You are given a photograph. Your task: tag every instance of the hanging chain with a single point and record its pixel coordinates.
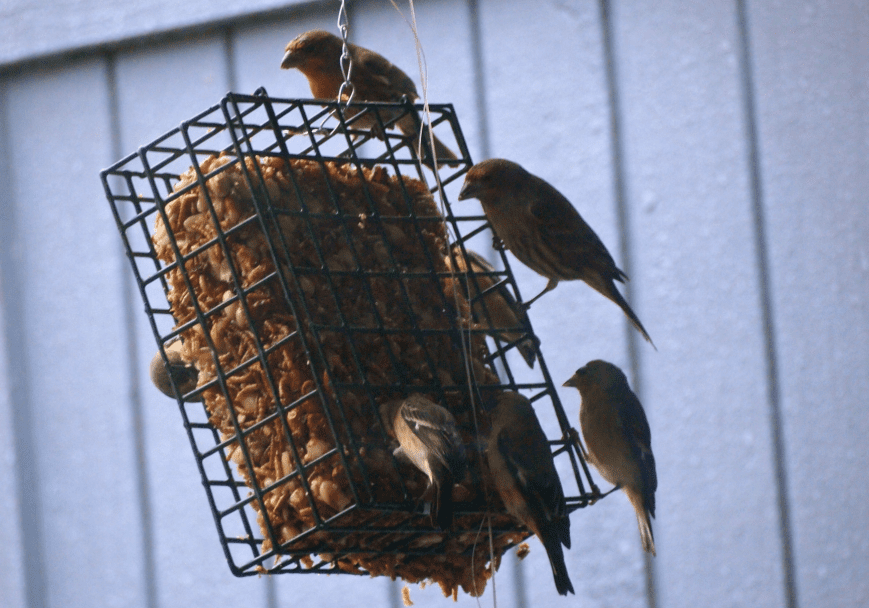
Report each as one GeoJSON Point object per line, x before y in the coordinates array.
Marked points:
{"type": "Point", "coordinates": [346, 59]}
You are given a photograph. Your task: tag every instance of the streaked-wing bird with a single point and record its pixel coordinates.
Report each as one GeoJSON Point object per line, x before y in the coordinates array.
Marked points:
{"type": "Point", "coordinates": [429, 438]}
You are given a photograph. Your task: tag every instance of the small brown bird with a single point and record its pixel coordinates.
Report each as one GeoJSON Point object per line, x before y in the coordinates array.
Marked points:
{"type": "Point", "coordinates": [525, 477]}
{"type": "Point", "coordinates": [543, 230]}
{"type": "Point", "coordinates": [497, 309]}
{"type": "Point", "coordinates": [317, 54]}
{"type": "Point", "coordinates": [618, 438]}
{"type": "Point", "coordinates": [429, 439]}
{"type": "Point", "coordinates": [186, 375]}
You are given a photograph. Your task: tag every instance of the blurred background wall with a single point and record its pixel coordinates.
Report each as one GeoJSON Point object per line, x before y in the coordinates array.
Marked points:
{"type": "Point", "coordinates": [720, 150]}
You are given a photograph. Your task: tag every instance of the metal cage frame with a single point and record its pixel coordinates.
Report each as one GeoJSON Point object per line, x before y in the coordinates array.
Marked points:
{"type": "Point", "coordinates": [138, 188]}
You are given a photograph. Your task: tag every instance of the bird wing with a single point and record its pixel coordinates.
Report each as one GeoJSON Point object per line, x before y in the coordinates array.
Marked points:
{"type": "Point", "coordinates": [394, 79]}
{"type": "Point", "coordinates": [479, 264]}
{"type": "Point", "coordinates": [637, 429]}
{"type": "Point", "coordinates": [561, 225]}
{"type": "Point", "coordinates": [531, 465]}
{"type": "Point", "coordinates": [435, 427]}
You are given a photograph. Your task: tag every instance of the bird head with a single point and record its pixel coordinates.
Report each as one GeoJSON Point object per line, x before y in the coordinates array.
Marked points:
{"type": "Point", "coordinates": [512, 409]}
{"type": "Point", "coordinates": [486, 180]}
{"type": "Point", "coordinates": [308, 49]}
{"type": "Point", "coordinates": [596, 373]}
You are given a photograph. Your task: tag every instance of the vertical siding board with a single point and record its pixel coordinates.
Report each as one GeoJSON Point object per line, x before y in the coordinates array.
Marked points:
{"type": "Point", "coordinates": [73, 324]}
{"type": "Point", "coordinates": [697, 286]}
{"type": "Point", "coordinates": [546, 90]}
{"type": "Point", "coordinates": [157, 90]}
{"type": "Point", "coordinates": [749, 93]}
{"type": "Point", "coordinates": [13, 551]}
{"type": "Point", "coordinates": [810, 67]}
{"type": "Point", "coordinates": [12, 583]}
{"type": "Point", "coordinates": [259, 49]}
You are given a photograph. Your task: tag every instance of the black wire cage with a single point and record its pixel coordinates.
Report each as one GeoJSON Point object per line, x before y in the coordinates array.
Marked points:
{"type": "Point", "coordinates": [297, 251]}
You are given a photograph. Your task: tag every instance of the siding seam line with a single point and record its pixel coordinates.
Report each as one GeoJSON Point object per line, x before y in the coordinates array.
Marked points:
{"type": "Point", "coordinates": [749, 96]}
{"type": "Point", "coordinates": [623, 221]}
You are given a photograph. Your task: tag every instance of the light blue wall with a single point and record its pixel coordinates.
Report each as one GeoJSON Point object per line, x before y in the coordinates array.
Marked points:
{"type": "Point", "coordinates": [735, 196]}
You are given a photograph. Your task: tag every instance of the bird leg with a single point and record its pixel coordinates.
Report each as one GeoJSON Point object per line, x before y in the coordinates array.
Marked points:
{"type": "Point", "coordinates": [574, 437]}
{"type": "Point", "coordinates": [596, 494]}
{"type": "Point", "coordinates": [618, 486]}
{"type": "Point", "coordinates": [549, 287]}
{"type": "Point", "coordinates": [497, 243]}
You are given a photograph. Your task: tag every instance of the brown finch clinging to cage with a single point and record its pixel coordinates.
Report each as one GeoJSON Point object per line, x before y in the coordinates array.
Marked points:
{"type": "Point", "coordinates": [317, 54]}
{"type": "Point", "coordinates": [618, 438]}
{"type": "Point", "coordinates": [525, 478]}
{"type": "Point", "coordinates": [429, 438]}
{"type": "Point", "coordinates": [543, 230]}
{"type": "Point", "coordinates": [495, 310]}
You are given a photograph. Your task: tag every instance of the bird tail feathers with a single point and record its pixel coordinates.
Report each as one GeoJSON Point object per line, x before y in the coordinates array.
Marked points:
{"type": "Point", "coordinates": [644, 522]}
{"type": "Point", "coordinates": [613, 294]}
{"type": "Point", "coordinates": [442, 502]}
{"type": "Point", "coordinates": [552, 544]}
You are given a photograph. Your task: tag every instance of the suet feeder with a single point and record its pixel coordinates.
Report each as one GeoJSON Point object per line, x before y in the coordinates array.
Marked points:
{"type": "Point", "coordinates": [300, 259]}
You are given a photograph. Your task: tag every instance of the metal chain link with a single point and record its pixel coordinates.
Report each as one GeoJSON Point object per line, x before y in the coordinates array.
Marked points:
{"type": "Point", "coordinates": [346, 59]}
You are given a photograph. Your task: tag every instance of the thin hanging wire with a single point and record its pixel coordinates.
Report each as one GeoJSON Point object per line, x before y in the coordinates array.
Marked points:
{"type": "Point", "coordinates": [346, 68]}
{"type": "Point", "coordinates": [346, 59]}
{"type": "Point", "coordinates": [465, 337]}
{"type": "Point", "coordinates": [423, 77]}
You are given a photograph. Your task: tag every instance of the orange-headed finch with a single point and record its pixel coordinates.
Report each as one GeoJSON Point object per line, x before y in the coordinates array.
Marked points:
{"type": "Point", "coordinates": [543, 230]}
{"type": "Point", "coordinates": [428, 438]}
{"type": "Point", "coordinates": [525, 477]}
{"type": "Point", "coordinates": [618, 438]}
{"type": "Point", "coordinates": [317, 54]}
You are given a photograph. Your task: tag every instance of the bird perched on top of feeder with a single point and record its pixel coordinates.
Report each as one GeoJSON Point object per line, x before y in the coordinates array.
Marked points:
{"type": "Point", "coordinates": [317, 54]}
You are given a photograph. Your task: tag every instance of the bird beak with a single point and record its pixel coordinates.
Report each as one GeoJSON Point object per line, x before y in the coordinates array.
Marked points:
{"type": "Point", "coordinates": [288, 61]}
{"type": "Point", "coordinates": [467, 191]}
{"type": "Point", "coordinates": [571, 382]}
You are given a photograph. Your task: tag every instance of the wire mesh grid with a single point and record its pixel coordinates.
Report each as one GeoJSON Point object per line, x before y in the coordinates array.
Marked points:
{"type": "Point", "coordinates": [278, 342]}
